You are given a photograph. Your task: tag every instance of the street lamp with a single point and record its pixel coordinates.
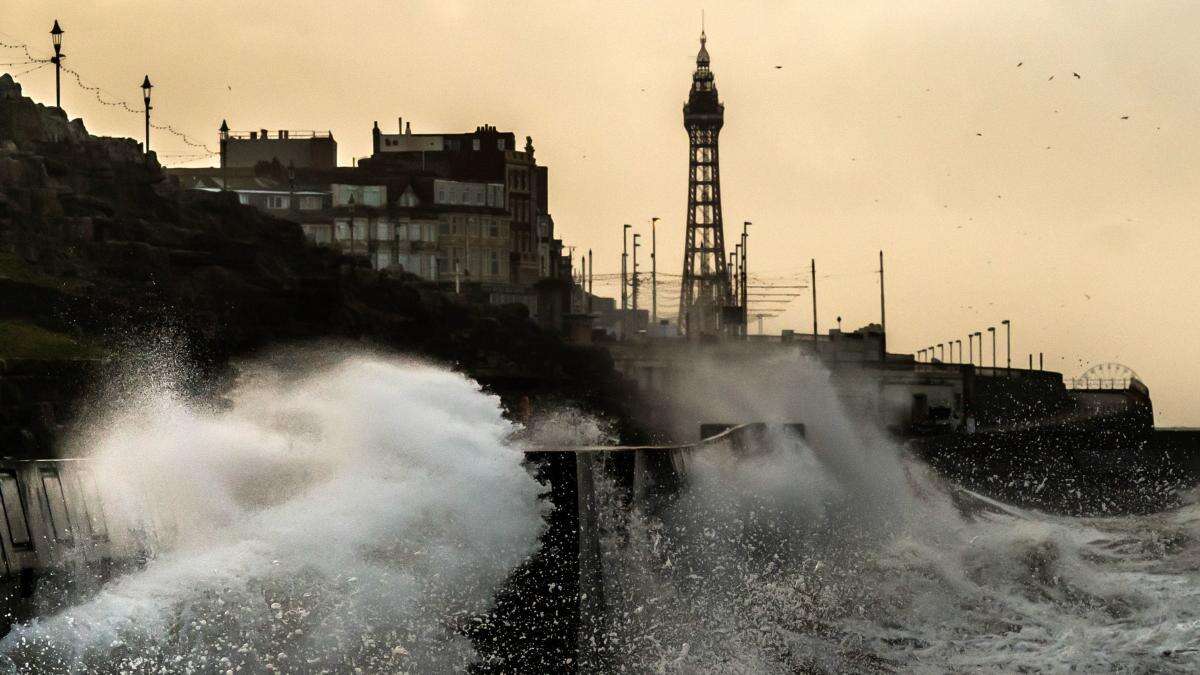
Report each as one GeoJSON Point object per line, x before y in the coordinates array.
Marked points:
{"type": "Point", "coordinates": [942, 351]}
{"type": "Point", "coordinates": [1007, 344]}
{"type": "Point", "coordinates": [971, 347]}
{"type": "Point", "coordinates": [979, 335]}
{"type": "Point", "coordinates": [56, 34]}
{"type": "Point", "coordinates": [146, 87]}
{"type": "Point", "coordinates": [744, 279]}
{"type": "Point", "coordinates": [959, 350]}
{"type": "Point", "coordinates": [992, 330]}
{"type": "Point", "coordinates": [653, 272]}
{"type": "Point", "coordinates": [625, 265]}
{"type": "Point", "coordinates": [224, 135]}
{"type": "Point", "coordinates": [636, 245]}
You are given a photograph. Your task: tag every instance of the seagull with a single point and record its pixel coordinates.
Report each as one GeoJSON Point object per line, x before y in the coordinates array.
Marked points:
{"type": "Point", "coordinates": [1051, 78]}
{"type": "Point", "coordinates": [778, 67]}
{"type": "Point", "coordinates": [978, 134]}
{"type": "Point", "coordinates": [1077, 76]}
{"type": "Point", "coordinates": [1124, 117]}
{"type": "Point", "coordinates": [1019, 64]}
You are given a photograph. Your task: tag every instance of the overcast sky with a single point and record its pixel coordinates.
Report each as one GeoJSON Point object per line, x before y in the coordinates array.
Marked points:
{"type": "Point", "coordinates": [995, 191]}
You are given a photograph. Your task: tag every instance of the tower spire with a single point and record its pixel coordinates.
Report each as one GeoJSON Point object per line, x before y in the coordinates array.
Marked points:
{"type": "Point", "coordinates": [705, 291]}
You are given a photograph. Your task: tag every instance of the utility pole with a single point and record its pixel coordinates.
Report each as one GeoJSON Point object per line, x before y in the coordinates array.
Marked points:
{"type": "Point", "coordinates": [654, 272]}
{"type": "Point", "coordinates": [816, 345]}
{"type": "Point", "coordinates": [56, 34]}
{"type": "Point", "coordinates": [590, 279]}
{"type": "Point", "coordinates": [883, 315]}
{"type": "Point", "coordinates": [1041, 361]}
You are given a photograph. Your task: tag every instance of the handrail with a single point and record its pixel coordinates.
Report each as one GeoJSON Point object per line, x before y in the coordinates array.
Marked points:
{"type": "Point", "coordinates": [626, 448]}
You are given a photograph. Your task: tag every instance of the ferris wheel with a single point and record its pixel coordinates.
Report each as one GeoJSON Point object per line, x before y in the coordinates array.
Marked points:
{"type": "Point", "coordinates": [1109, 375]}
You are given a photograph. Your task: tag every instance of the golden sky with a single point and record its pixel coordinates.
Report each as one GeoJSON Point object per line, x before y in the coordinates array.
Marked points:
{"type": "Point", "coordinates": [995, 191]}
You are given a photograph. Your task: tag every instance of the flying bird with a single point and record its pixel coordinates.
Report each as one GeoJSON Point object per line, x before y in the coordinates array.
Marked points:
{"type": "Point", "coordinates": [778, 67]}
{"type": "Point", "coordinates": [1077, 76]}
{"type": "Point", "coordinates": [978, 134]}
{"type": "Point", "coordinates": [1124, 117]}
{"type": "Point", "coordinates": [1019, 64]}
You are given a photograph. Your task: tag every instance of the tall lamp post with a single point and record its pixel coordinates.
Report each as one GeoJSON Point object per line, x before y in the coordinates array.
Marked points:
{"type": "Point", "coordinates": [146, 87]}
{"type": "Point", "coordinates": [1007, 344]}
{"type": "Point", "coordinates": [992, 330]}
{"type": "Point", "coordinates": [56, 34]}
{"type": "Point", "coordinates": [942, 351]}
{"type": "Point", "coordinates": [634, 281]}
{"type": "Point", "coordinates": [744, 279]}
{"type": "Point", "coordinates": [971, 347]}
{"type": "Point", "coordinates": [653, 271]}
{"type": "Point", "coordinates": [979, 335]}
{"type": "Point", "coordinates": [959, 342]}
{"type": "Point", "coordinates": [224, 135]}
{"type": "Point", "coordinates": [625, 266]}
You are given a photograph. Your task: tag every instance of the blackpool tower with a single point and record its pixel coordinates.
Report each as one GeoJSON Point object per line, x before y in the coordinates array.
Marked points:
{"type": "Point", "coordinates": [705, 291]}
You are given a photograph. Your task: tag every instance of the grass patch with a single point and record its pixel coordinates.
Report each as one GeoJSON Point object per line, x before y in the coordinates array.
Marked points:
{"type": "Point", "coordinates": [23, 340]}
{"type": "Point", "coordinates": [14, 268]}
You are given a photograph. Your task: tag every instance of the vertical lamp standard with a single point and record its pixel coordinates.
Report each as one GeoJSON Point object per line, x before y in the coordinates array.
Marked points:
{"type": "Point", "coordinates": [942, 351]}
{"type": "Point", "coordinates": [653, 272]}
{"type": "Point", "coordinates": [624, 265]}
{"type": "Point", "coordinates": [744, 279]}
{"type": "Point", "coordinates": [1007, 344]}
{"type": "Point", "coordinates": [224, 135]}
{"type": "Point", "coordinates": [634, 278]}
{"type": "Point", "coordinates": [992, 330]}
{"type": "Point", "coordinates": [146, 87]}
{"type": "Point", "coordinates": [971, 347]}
{"type": "Point", "coordinates": [56, 34]}
{"type": "Point", "coordinates": [979, 334]}
{"type": "Point", "coordinates": [959, 342]}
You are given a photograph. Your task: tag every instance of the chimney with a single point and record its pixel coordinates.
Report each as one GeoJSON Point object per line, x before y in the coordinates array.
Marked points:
{"type": "Point", "coordinates": [283, 133]}
{"type": "Point", "coordinates": [399, 125]}
{"type": "Point", "coordinates": [254, 135]}
{"type": "Point", "coordinates": [408, 128]}
{"type": "Point", "coordinates": [264, 134]}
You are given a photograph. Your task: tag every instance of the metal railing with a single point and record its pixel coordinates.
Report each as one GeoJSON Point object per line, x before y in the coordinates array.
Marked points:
{"type": "Point", "coordinates": [1119, 383]}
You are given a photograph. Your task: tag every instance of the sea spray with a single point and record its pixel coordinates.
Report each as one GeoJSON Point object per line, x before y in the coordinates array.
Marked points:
{"type": "Point", "coordinates": [349, 512]}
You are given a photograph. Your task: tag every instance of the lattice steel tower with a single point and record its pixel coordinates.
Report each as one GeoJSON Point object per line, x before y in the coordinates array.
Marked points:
{"type": "Point", "coordinates": [705, 291]}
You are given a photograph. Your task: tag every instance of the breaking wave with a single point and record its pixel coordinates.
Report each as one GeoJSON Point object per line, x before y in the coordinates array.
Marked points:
{"type": "Point", "coordinates": [349, 513]}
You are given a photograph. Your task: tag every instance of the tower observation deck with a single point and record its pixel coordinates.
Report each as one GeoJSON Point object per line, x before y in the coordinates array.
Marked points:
{"type": "Point", "coordinates": [706, 290]}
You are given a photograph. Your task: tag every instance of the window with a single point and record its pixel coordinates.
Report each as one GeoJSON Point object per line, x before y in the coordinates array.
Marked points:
{"type": "Point", "coordinates": [360, 229]}
{"type": "Point", "coordinates": [317, 233]}
{"type": "Point", "coordinates": [382, 260]}
{"type": "Point", "coordinates": [310, 203]}
{"type": "Point", "coordinates": [500, 144]}
{"type": "Point", "coordinates": [383, 231]}
{"type": "Point", "coordinates": [56, 504]}
{"type": "Point", "coordinates": [401, 231]}
{"type": "Point", "coordinates": [277, 201]}
{"type": "Point", "coordinates": [444, 228]}
{"type": "Point", "coordinates": [243, 199]}
{"type": "Point", "coordinates": [475, 144]}
{"type": "Point", "coordinates": [495, 263]}
{"type": "Point", "coordinates": [372, 196]}
{"type": "Point", "coordinates": [493, 228]}
{"type": "Point", "coordinates": [414, 232]}
{"type": "Point", "coordinates": [93, 507]}
{"type": "Point", "coordinates": [14, 511]}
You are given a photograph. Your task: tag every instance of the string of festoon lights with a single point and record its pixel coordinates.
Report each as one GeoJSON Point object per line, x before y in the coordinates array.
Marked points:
{"type": "Point", "coordinates": [107, 99]}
